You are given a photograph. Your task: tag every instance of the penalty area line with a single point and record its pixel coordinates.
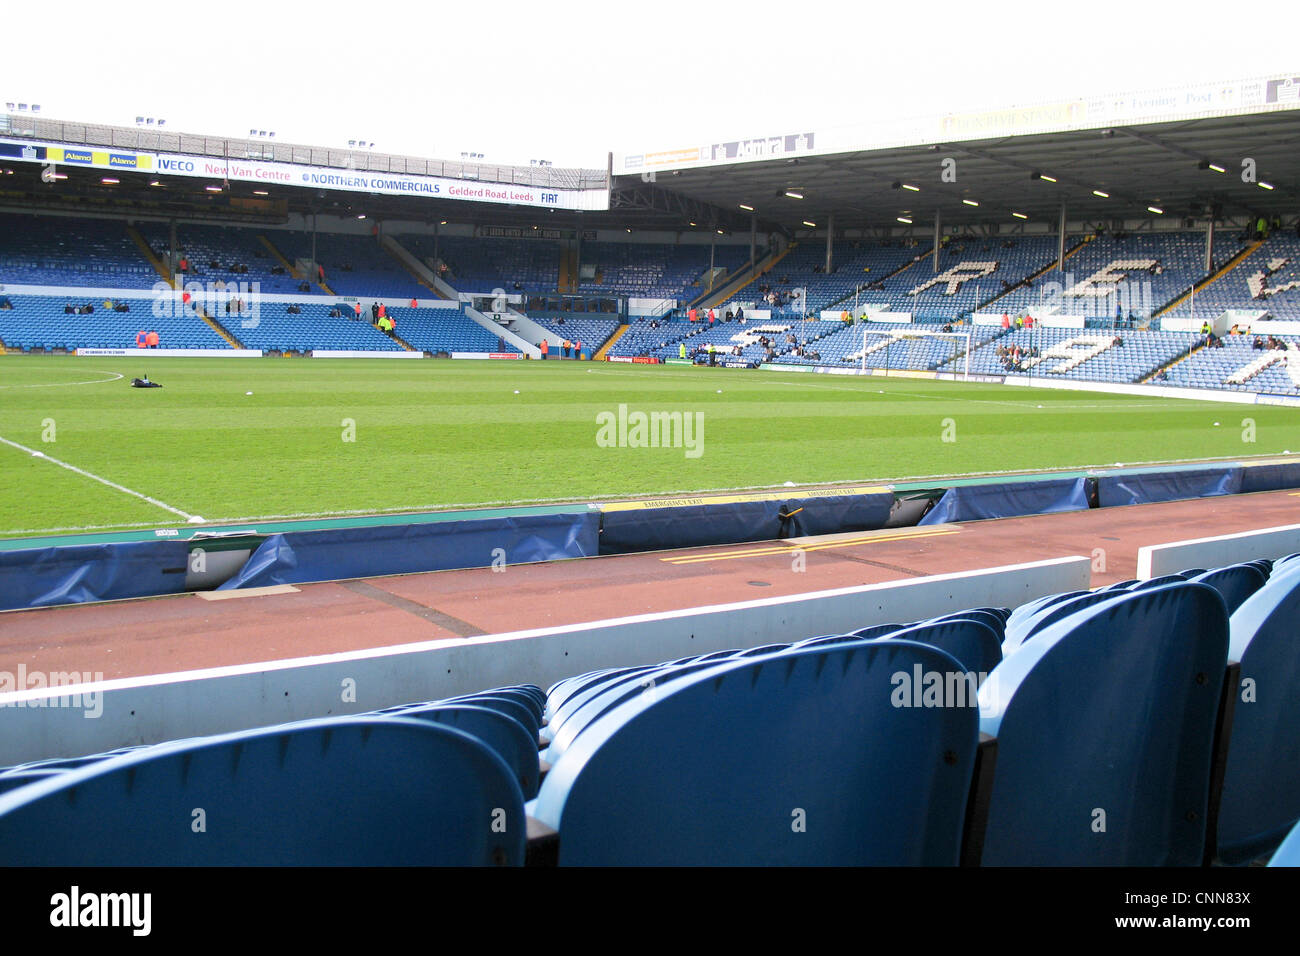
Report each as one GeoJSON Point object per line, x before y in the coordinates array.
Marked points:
{"type": "Point", "coordinates": [103, 481]}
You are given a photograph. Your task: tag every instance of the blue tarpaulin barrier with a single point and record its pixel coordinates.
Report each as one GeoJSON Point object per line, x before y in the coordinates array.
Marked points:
{"type": "Point", "coordinates": [1270, 477]}
{"type": "Point", "coordinates": [305, 556]}
{"type": "Point", "coordinates": [1009, 500]}
{"type": "Point", "coordinates": [1143, 487]}
{"type": "Point", "coordinates": [76, 574]}
{"type": "Point", "coordinates": [625, 531]}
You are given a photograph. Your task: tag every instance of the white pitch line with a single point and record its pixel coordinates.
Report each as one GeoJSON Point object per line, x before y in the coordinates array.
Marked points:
{"type": "Point", "coordinates": [97, 381]}
{"type": "Point", "coordinates": [103, 481]}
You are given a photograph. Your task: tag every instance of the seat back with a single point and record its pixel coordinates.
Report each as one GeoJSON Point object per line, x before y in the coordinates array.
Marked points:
{"type": "Point", "coordinates": [1234, 583]}
{"type": "Point", "coordinates": [803, 757]}
{"type": "Point", "coordinates": [1261, 783]}
{"type": "Point", "coordinates": [1105, 726]}
{"type": "Point", "coordinates": [381, 791]}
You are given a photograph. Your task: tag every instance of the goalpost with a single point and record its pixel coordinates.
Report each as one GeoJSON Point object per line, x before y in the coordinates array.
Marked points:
{"type": "Point", "coordinates": [961, 346]}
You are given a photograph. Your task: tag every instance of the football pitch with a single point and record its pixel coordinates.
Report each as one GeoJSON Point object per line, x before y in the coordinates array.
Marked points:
{"type": "Point", "coordinates": [81, 450]}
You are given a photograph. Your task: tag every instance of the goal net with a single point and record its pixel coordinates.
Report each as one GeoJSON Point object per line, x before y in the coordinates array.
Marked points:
{"type": "Point", "coordinates": [914, 350]}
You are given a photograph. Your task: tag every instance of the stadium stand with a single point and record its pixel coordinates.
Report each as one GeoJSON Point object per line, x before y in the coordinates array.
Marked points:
{"type": "Point", "coordinates": [1268, 278]}
{"type": "Point", "coordinates": [354, 265]}
{"type": "Point", "coordinates": [41, 322]}
{"type": "Point", "coordinates": [212, 253]}
{"type": "Point", "coordinates": [892, 345]}
{"type": "Point", "coordinates": [971, 273]}
{"type": "Point", "coordinates": [655, 270]}
{"type": "Point", "coordinates": [485, 265]}
{"type": "Point", "coordinates": [59, 251]}
{"type": "Point", "coordinates": [445, 330]}
{"type": "Point", "coordinates": [645, 336]}
{"type": "Point", "coordinates": [592, 333]}
{"type": "Point", "coordinates": [1115, 275]}
{"type": "Point", "coordinates": [1101, 355]}
{"type": "Point", "coordinates": [855, 265]}
{"type": "Point", "coordinates": [1239, 366]}
{"type": "Point", "coordinates": [272, 328]}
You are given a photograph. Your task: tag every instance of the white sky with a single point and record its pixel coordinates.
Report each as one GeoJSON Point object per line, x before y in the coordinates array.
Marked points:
{"type": "Point", "coordinates": [570, 80]}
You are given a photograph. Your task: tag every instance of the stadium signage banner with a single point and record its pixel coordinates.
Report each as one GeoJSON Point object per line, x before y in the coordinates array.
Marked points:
{"type": "Point", "coordinates": [34, 152]}
{"type": "Point", "coordinates": [311, 177]}
{"type": "Point", "coordinates": [151, 353]}
{"type": "Point", "coordinates": [387, 184]}
{"type": "Point", "coordinates": [352, 353]}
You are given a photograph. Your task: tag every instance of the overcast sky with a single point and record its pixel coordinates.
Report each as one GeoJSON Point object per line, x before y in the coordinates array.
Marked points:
{"type": "Point", "coordinates": [571, 80]}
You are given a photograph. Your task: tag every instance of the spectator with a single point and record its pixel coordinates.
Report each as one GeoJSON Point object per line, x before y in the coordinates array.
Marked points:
{"type": "Point", "coordinates": [356, 308]}
{"type": "Point", "coordinates": [152, 339]}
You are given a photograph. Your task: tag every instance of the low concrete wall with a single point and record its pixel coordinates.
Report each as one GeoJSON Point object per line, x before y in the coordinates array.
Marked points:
{"type": "Point", "coordinates": [1157, 559]}
{"type": "Point", "coordinates": [171, 706]}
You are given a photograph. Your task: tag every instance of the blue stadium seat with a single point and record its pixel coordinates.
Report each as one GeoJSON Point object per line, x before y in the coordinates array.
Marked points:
{"type": "Point", "coordinates": [346, 791]}
{"type": "Point", "coordinates": [1261, 785]}
{"type": "Point", "coordinates": [972, 641]}
{"type": "Point", "coordinates": [1105, 728]}
{"type": "Point", "coordinates": [1234, 584]}
{"type": "Point", "coordinates": [796, 758]}
{"type": "Point", "coordinates": [510, 740]}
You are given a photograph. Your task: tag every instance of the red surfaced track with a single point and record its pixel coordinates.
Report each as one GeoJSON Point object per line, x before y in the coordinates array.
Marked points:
{"type": "Point", "coordinates": [161, 635]}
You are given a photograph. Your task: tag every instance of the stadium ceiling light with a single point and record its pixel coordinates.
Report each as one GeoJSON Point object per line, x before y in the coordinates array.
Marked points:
{"type": "Point", "coordinates": [909, 186]}
{"type": "Point", "coordinates": [1020, 215]}
{"type": "Point", "coordinates": [260, 192]}
{"type": "Point", "coordinates": [793, 194]}
{"type": "Point", "coordinates": [361, 215]}
{"type": "Point", "coordinates": [1044, 177]}
{"type": "Point", "coordinates": [970, 202]}
{"type": "Point", "coordinates": [746, 208]}
{"type": "Point", "coordinates": [1264, 185]}
{"type": "Point", "coordinates": [1098, 192]}
{"type": "Point", "coordinates": [155, 182]}
{"type": "Point", "coordinates": [1217, 168]}
{"type": "Point", "coordinates": [692, 224]}
{"type": "Point", "coordinates": [722, 232]}
{"type": "Point", "coordinates": [810, 225]}
{"type": "Point", "coordinates": [110, 181]}
{"type": "Point", "coordinates": [213, 189]}
{"type": "Point", "coordinates": [1156, 209]}
{"type": "Point", "coordinates": [905, 220]}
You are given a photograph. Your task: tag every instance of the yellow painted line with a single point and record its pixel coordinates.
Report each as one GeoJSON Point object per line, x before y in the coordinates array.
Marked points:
{"type": "Point", "coordinates": [785, 550]}
{"type": "Point", "coordinates": [697, 501]}
{"type": "Point", "coordinates": [811, 543]}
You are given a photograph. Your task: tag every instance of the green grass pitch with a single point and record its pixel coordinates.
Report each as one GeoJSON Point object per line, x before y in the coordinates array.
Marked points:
{"type": "Point", "coordinates": [437, 434]}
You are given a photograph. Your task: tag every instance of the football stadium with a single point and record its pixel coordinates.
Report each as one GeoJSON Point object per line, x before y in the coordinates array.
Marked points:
{"type": "Point", "coordinates": [915, 493]}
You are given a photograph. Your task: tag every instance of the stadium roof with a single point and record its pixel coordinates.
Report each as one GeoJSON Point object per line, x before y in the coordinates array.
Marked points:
{"type": "Point", "coordinates": [1231, 150]}
{"type": "Point", "coordinates": [1161, 165]}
